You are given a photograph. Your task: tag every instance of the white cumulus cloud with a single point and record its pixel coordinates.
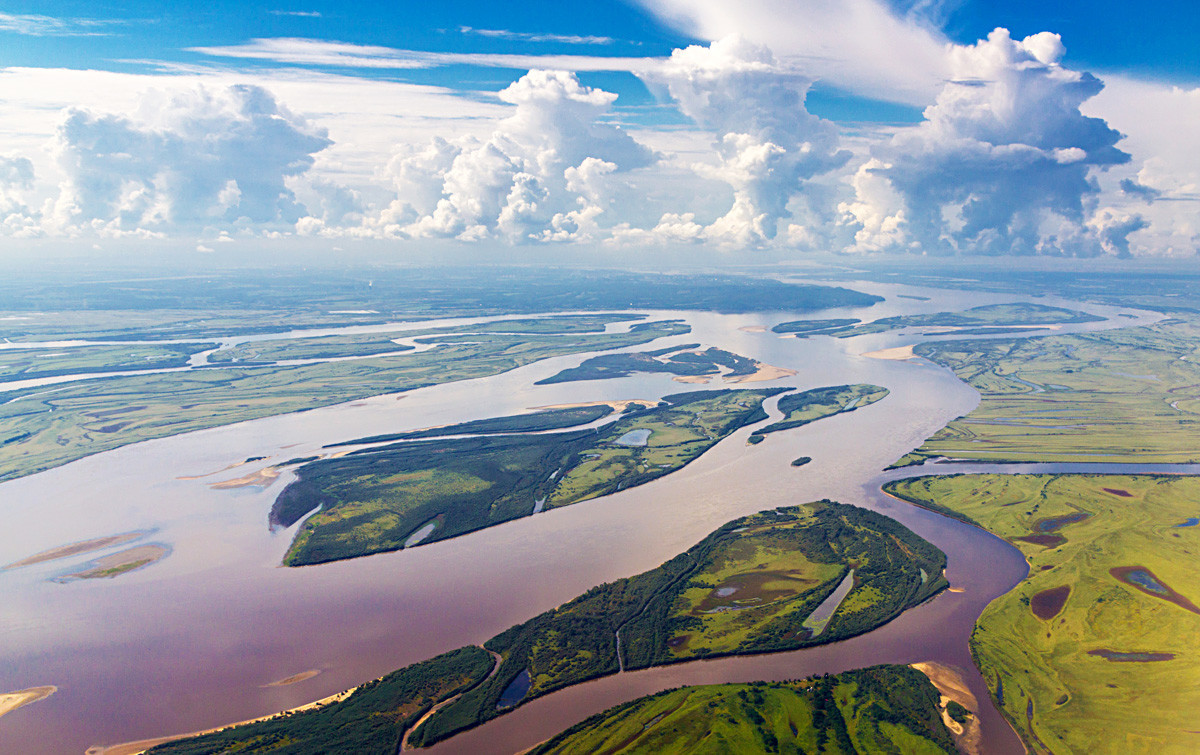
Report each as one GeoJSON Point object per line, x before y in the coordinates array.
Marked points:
{"type": "Point", "coordinates": [201, 157]}
{"type": "Point", "coordinates": [1004, 162]}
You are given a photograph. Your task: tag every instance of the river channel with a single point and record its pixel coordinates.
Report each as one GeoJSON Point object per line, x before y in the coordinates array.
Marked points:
{"type": "Point", "coordinates": [197, 639]}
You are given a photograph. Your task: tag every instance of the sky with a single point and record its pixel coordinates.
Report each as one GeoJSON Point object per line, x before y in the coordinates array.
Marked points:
{"type": "Point", "coordinates": [781, 127]}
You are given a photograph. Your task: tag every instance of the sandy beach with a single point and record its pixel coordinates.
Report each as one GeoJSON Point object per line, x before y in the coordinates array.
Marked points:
{"type": "Point", "coordinates": [765, 372]}
{"type": "Point", "coordinates": [262, 477]}
{"type": "Point", "coordinates": [951, 685]}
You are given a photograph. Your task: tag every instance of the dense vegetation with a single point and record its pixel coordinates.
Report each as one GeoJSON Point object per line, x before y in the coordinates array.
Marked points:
{"type": "Point", "coordinates": [1078, 654]}
{"type": "Point", "coordinates": [384, 498]}
{"type": "Point", "coordinates": [547, 419]}
{"type": "Point", "coordinates": [1129, 395]}
{"type": "Point", "coordinates": [807, 550]}
{"type": "Point", "coordinates": [809, 406]}
{"type": "Point", "coordinates": [881, 709]}
{"type": "Point", "coordinates": [368, 722]}
{"type": "Point", "coordinates": [681, 363]}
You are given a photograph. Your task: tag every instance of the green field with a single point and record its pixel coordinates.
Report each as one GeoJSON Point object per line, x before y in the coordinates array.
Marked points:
{"type": "Point", "coordinates": [45, 427]}
{"type": "Point", "coordinates": [369, 722]}
{"type": "Point", "coordinates": [27, 364]}
{"type": "Point", "coordinates": [376, 499]}
{"type": "Point", "coordinates": [1081, 656]}
{"type": "Point", "coordinates": [809, 406]}
{"type": "Point", "coordinates": [882, 709]}
{"type": "Point", "coordinates": [809, 549]}
{"type": "Point", "coordinates": [1129, 395]}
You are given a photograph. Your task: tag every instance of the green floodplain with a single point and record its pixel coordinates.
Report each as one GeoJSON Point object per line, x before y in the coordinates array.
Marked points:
{"type": "Point", "coordinates": [399, 495]}
{"type": "Point", "coordinates": [752, 586]}
{"type": "Point", "coordinates": [28, 364]}
{"type": "Point", "coordinates": [1127, 395]}
{"type": "Point", "coordinates": [881, 709]}
{"type": "Point", "coordinates": [44, 427]}
{"type": "Point", "coordinates": [1096, 649]}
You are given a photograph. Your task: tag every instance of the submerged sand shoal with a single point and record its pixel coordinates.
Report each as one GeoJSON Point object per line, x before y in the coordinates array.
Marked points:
{"type": "Point", "coordinates": [898, 353]}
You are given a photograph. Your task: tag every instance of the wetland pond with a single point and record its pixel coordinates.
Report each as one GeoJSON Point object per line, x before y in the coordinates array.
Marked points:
{"type": "Point", "coordinates": [194, 640]}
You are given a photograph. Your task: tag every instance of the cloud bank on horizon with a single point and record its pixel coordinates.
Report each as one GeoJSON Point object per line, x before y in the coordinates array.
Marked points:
{"type": "Point", "coordinates": [1016, 151]}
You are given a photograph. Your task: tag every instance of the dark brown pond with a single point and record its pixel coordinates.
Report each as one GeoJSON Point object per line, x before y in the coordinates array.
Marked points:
{"type": "Point", "coordinates": [1047, 603]}
{"type": "Point", "coordinates": [1117, 656]}
{"type": "Point", "coordinates": [1145, 581]}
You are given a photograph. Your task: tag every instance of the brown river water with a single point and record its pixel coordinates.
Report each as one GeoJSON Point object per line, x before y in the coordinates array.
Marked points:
{"type": "Point", "coordinates": [197, 639]}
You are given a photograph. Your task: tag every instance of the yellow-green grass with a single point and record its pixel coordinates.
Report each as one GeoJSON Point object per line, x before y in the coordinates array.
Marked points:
{"type": "Point", "coordinates": [878, 709]}
{"type": "Point", "coordinates": [51, 426]}
{"type": "Point", "coordinates": [769, 577]}
{"type": "Point", "coordinates": [1083, 702]}
{"type": "Point", "coordinates": [1130, 395]}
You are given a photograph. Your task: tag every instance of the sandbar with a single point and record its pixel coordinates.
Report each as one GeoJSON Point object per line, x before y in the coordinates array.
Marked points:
{"type": "Point", "coordinates": [121, 563]}
{"type": "Point", "coordinates": [294, 678]}
{"type": "Point", "coordinates": [700, 379]}
{"type": "Point", "coordinates": [74, 549]}
{"type": "Point", "coordinates": [10, 701]}
{"type": "Point", "coordinates": [950, 683]}
{"type": "Point", "coordinates": [765, 372]}
{"type": "Point", "coordinates": [753, 328]}
{"type": "Point", "coordinates": [898, 353]}
{"type": "Point", "coordinates": [262, 477]}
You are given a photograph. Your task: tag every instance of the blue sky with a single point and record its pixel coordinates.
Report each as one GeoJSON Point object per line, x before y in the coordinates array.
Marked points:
{"type": "Point", "coordinates": [770, 123]}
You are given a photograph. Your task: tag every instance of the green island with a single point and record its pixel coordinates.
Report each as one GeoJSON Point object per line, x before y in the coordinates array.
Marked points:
{"type": "Point", "coordinates": [1097, 644]}
{"type": "Point", "coordinates": [809, 406]}
{"type": "Point", "coordinates": [31, 363]}
{"type": "Point", "coordinates": [761, 583]}
{"type": "Point", "coordinates": [45, 427]}
{"type": "Point", "coordinates": [989, 316]}
{"type": "Point", "coordinates": [400, 495]}
{"type": "Point", "coordinates": [806, 328]}
{"type": "Point", "coordinates": [369, 721]}
{"type": "Point", "coordinates": [872, 710]}
{"type": "Point", "coordinates": [539, 421]}
{"type": "Point", "coordinates": [682, 362]}
{"type": "Point", "coordinates": [1127, 395]}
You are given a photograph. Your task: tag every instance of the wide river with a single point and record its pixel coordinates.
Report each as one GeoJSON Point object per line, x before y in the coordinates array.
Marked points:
{"type": "Point", "coordinates": [196, 640]}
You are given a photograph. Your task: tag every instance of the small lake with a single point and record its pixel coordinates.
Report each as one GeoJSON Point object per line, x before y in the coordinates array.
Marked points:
{"type": "Point", "coordinates": [636, 438]}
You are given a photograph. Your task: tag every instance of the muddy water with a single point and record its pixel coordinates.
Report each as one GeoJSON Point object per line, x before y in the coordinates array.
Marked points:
{"type": "Point", "coordinates": [192, 641]}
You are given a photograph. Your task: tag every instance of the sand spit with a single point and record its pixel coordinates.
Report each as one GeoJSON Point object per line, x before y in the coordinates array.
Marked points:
{"type": "Point", "coordinates": [765, 372]}
{"type": "Point", "coordinates": [74, 549]}
{"type": "Point", "coordinates": [10, 701]}
{"type": "Point", "coordinates": [120, 563]}
{"type": "Point", "coordinates": [899, 353]}
{"type": "Point", "coordinates": [141, 745]}
{"type": "Point", "coordinates": [950, 683]}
